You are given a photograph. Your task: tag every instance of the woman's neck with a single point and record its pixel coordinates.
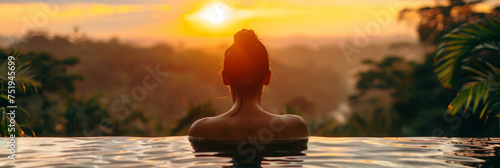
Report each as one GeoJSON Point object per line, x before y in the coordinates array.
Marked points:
{"type": "Point", "coordinates": [246, 101]}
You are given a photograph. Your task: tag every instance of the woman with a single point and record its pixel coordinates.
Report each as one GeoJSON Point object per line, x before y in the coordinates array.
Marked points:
{"type": "Point", "coordinates": [246, 71]}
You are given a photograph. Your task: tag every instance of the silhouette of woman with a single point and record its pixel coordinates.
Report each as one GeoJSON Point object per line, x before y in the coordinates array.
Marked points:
{"type": "Point", "coordinates": [246, 71]}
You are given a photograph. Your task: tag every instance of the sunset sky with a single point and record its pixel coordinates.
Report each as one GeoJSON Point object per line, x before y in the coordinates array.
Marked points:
{"type": "Point", "coordinates": [202, 21]}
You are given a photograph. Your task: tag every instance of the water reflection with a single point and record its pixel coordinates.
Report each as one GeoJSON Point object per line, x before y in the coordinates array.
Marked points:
{"type": "Point", "coordinates": [179, 152]}
{"type": "Point", "coordinates": [248, 153]}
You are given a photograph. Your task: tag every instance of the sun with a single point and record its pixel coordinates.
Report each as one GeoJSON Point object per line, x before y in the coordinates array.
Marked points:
{"type": "Point", "coordinates": [213, 18]}
{"type": "Point", "coordinates": [214, 14]}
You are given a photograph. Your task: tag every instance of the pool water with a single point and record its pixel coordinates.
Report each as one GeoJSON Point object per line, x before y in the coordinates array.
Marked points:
{"type": "Point", "coordinates": [321, 152]}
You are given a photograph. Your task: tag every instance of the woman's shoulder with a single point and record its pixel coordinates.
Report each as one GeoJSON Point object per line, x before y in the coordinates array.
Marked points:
{"type": "Point", "coordinates": [199, 127]}
{"type": "Point", "coordinates": [294, 118]}
{"type": "Point", "coordinates": [288, 126]}
{"type": "Point", "coordinates": [290, 119]}
{"type": "Point", "coordinates": [296, 126]}
{"type": "Point", "coordinates": [208, 127]}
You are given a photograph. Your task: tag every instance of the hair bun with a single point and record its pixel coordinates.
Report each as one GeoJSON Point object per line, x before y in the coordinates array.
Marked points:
{"type": "Point", "coordinates": [245, 37]}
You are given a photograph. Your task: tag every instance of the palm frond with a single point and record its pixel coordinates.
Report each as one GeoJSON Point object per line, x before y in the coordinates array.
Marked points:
{"type": "Point", "coordinates": [24, 73]}
{"type": "Point", "coordinates": [455, 52]}
{"type": "Point", "coordinates": [461, 43]}
{"type": "Point", "coordinates": [24, 77]}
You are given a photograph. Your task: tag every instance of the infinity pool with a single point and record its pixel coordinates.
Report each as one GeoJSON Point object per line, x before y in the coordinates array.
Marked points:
{"type": "Point", "coordinates": [322, 152]}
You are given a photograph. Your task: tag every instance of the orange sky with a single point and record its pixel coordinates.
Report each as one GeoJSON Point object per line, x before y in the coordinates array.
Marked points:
{"type": "Point", "coordinates": [204, 21]}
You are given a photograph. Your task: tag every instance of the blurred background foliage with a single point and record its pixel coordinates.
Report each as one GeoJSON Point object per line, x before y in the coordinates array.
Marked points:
{"type": "Point", "coordinates": [77, 79]}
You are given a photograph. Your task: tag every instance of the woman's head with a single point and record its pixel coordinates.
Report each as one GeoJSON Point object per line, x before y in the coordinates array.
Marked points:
{"type": "Point", "coordinates": [246, 62]}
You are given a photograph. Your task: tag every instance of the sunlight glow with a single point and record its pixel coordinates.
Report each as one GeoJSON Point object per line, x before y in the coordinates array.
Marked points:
{"type": "Point", "coordinates": [212, 19]}
{"type": "Point", "coordinates": [215, 13]}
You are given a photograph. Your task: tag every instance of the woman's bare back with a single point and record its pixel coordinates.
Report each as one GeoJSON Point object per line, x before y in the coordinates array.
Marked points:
{"type": "Point", "coordinates": [265, 126]}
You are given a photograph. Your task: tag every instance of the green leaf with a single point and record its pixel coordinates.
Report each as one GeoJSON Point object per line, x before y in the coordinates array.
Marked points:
{"type": "Point", "coordinates": [487, 92]}
{"type": "Point", "coordinates": [484, 109]}
{"type": "Point", "coordinates": [484, 29]}
{"type": "Point", "coordinates": [469, 97]}
{"type": "Point", "coordinates": [477, 99]}
{"type": "Point", "coordinates": [474, 71]}
{"type": "Point", "coordinates": [458, 36]}
{"type": "Point", "coordinates": [444, 65]}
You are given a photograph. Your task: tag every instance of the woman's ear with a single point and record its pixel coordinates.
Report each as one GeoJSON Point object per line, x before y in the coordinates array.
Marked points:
{"type": "Point", "coordinates": [267, 79]}
{"type": "Point", "coordinates": [224, 78]}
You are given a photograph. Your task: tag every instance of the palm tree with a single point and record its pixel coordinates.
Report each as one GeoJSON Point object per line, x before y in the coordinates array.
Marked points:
{"type": "Point", "coordinates": [471, 50]}
{"type": "Point", "coordinates": [24, 77]}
